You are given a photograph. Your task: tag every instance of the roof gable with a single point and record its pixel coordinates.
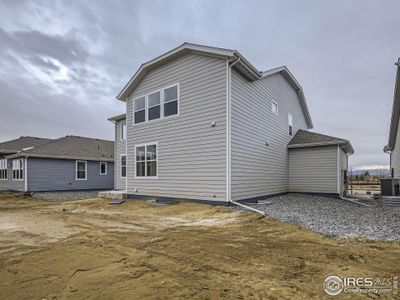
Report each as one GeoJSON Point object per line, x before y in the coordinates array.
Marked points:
{"type": "Point", "coordinates": [305, 138]}
{"type": "Point", "coordinates": [296, 86]}
{"type": "Point", "coordinates": [242, 64]}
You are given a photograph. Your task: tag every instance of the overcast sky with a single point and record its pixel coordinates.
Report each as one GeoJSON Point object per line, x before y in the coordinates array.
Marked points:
{"type": "Point", "coordinates": [63, 62]}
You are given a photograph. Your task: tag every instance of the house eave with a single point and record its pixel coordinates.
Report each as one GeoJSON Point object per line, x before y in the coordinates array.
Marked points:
{"type": "Point", "coordinates": [395, 111]}
{"type": "Point", "coordinates": [345, 145]}
{"type": "Point", "coordinates": [27, 155]}
{"type": "Point", "coordinates": [244, 66]}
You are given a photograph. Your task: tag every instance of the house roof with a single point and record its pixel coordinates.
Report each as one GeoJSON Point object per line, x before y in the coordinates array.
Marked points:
{"type": "Point", "coordinates": [395, 112]}
{"type": "Point", "coordinates": [240, 63]}
{"type": "Point", "coordinates": [72, 147]}
{"type": "Point", "coordinates": [297, 87]}
{"type": "Point", "coordinates": [23, 142]}
{"type": "Point", "coordinates": [117, 118]}
{"type": "Point", "coordinates": [303, 139]}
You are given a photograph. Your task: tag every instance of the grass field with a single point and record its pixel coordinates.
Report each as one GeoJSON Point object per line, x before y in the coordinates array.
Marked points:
{"type": "Point", "coordinates": [91, 250]}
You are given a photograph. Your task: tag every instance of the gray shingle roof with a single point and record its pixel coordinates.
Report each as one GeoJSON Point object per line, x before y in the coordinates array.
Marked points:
{"type": "Point", "coordinates": [305, 138]}
{"type": "Point", "coordinates": [22, 143]}
{"type": "Point", "coordinates": [73, 147]}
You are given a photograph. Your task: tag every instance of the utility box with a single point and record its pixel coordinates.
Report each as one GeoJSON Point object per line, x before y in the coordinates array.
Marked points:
{"type": "Point", "coordinates": [390, 187]}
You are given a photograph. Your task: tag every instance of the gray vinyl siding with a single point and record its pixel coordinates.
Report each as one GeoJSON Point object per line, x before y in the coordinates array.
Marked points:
{"type": "Point", "coordinates": [257, 169]}
{"type": "Point", "coordinates": [191, 153]}
{"type": "Point", "coordinates": [313, 170]}
{"type": "Point", "coordinates": [343, 166]}
{"type": "Point", "coordinates": [59, 175]}
{"type": "Point", "coordinates": [395, 155]}
{"type": "Point", "coordinates": [120, 149]}
{"type": "Point", "coordinates": [10, 183]}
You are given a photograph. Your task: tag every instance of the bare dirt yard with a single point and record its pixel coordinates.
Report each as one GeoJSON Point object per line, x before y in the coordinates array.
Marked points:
{"type": "Point", "coordinates": [89, 249]}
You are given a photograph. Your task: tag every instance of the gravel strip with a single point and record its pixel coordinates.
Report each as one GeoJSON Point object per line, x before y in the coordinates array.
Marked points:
{"type": "Point", "coordinates": [334, 217]}
{"type": "Point", "coordinates": [63, 196]}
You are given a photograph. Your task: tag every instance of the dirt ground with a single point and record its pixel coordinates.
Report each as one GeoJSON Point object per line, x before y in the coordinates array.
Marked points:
{"type": "Point", "coordinates": [92, 250]}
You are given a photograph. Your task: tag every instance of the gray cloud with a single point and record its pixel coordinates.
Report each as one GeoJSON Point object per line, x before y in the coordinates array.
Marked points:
{"type": "Point", "coordinates": [63, 62]}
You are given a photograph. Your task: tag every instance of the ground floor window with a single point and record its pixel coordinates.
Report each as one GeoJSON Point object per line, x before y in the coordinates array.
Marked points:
{"type": "Point", "coordinates": [3, 169]}
{"type": "Point", "coordinates": [146, 160]}
{"type": "Point", "coordinates": [81, 170]}
{"type": "Point", "coordinates": [103, 168]}
{"type": "Point", "coordinates": [123, 165]}
{"type": "Point", "coordinates": [18, 169]}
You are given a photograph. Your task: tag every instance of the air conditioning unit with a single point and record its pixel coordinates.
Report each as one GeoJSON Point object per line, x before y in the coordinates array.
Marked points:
{"type": "Point", "coordinates": [390, 187]}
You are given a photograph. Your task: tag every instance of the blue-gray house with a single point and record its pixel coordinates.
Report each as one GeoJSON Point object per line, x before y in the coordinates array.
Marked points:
{"type": "Point", "coordinates": [32, 164]}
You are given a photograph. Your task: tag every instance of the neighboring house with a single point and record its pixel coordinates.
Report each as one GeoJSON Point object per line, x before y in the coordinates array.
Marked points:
{"type": "Point", "coordinates": [203, 123]}
{"type": "Point", "coordinates": [393, 146]}
{"type": "Point", "coordinates": [68, 163]}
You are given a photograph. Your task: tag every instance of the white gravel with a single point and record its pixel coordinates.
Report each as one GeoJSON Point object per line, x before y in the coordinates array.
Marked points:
{"type": "Point", "coordinates": [334, 217]}
{"type": "Point", "coordinates": [62, 196]}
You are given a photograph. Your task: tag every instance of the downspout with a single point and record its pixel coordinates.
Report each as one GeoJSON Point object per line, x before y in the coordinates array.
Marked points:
{"type": "Point", "coordinates": [228, 143]}
{"type": "Point", "coordinates": [26, 173]}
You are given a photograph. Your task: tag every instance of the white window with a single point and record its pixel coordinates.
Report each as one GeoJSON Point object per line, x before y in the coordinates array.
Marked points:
{"type": "Point", "coordinates": [122, 129]}
{"type": "Point", "coordinates": [290, 122]}
{"type": "Point", "coordinates": [146, 160]}
{"type": "Point", "coordinates": [274, 107]}
{"type": "Point", "coordinates": [18, 169]}
{"type": "Point", "coordinates": [171, 101]}
{"type": "Point", "coordinates": [123, 165]}
{"type": "Point", "coordinates": [156, 105]}
{"type": "Point", "coordinates": [139, 110]}
{"type": "Point", "coordinates": [103, 168]}
{"type": "Point", "coordinates": [3, 169]}
{"type": "Point", "coordinates": [81, 170]}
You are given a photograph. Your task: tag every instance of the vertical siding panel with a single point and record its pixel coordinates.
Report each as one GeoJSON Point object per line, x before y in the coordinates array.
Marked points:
{"type": "Point", "coordinates": [313, 170]}
{"type": "Point", "coordinates": [59, 175]}
{"type": "Point", "coordinates": [396, 154]}
{"type": "Point", "coordinates": [257, 169]}
{"type": "Point", "coordinates": [120, 148]}
{"type": "Point", "coordinates": [191, 153]}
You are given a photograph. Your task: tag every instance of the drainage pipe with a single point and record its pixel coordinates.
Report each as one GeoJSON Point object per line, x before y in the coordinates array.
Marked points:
{"type": "Point", "coordinates": [248, 207]}
{"type": "Point", "coordinates": [351, 200]}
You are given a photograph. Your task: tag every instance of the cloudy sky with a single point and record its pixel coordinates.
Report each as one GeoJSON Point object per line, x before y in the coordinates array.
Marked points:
{"type": "Point", "coordinates": [63, 62]}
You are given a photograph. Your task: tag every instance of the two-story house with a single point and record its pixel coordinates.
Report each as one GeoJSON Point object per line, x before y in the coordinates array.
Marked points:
{"type": "Point", "coordinates": [203, 123]}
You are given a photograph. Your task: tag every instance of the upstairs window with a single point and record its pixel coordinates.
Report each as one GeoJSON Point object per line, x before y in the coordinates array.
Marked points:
{"type": "Point", "coordinates": [274, 107]}
{"type": "Point", "coordinates": [171, 101]}
{"type": "Point", "coordinates": [123, 129]}
{"type": "Point", "coordinates": [140, 110]}
{"type": "Point", "coordinates": [156, 105]}
{"type": "Point", "coordinates": [103, 168]}
{"type": "Point", "coordinates": [290, 122]}
{"type": "Point", "coordinates": [3, 169]}
{"type": "Point", "coordinates": [146, 160]}
{"type": "Point", "coordinates": [18, 169]}
{"type": "Point", "coordinates": [123, 166]}
{"type": "Point", "coordinates": [81, 170]}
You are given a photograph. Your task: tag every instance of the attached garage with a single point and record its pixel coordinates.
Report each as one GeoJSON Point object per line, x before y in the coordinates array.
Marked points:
{"type": "Point", "coordinates": [318, 163]}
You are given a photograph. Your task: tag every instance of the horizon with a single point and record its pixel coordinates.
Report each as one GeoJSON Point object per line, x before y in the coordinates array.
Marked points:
{"type": "Point", "coordinates": [75, 67]}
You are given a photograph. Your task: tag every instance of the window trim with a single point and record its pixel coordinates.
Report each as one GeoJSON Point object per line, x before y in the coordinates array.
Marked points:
{"type": "Point", "coordinates": [122, 136]}
{"type": "Point", "coordinates": [106, 164]}
{"type": "Point", "coordinates": [120, 166]}
{"type": "Point", "coordinates": [145, 155]}
{"type": "Point", "coordinates": [290, 118]}
{"type": "Point", "coordinates": [146, 96]}
{"type": "Point", "coordinates": [20, 169]}
{"type": "Point", "coordinates": [277, 108]}
{"type": "Point", "coordinates": [6, 169]}
{"type": "Point", "coordinates": [76, 169]}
